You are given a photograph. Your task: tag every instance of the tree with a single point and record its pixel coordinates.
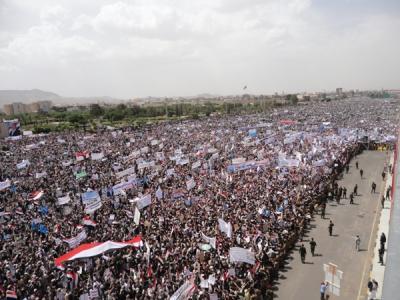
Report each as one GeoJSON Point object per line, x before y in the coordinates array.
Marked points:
{"type": "Point", "coordinates": [77, 118]}
{"type": "Point", "coordinates": [96, 110]}
{"type": "Point", "coordinates": [293, 99]}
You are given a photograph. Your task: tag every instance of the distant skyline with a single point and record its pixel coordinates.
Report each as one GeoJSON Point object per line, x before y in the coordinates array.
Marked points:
{"type": "Point", "coordinates": [140, 48]}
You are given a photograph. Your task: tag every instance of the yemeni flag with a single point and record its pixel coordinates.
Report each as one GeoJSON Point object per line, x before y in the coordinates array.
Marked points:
{"type": "Point", "coordinates": [81, 155]}
{"type": "Point", "coordinates": [89, 222]}
{"type": "Point", "coordinates": [74, 276]}
{"type": "Point", "coordinates": [35, 195]}
{"type": "Point", "coordinates": [11, 294]}
{"type": "Point", "coordinates": [96, 248]}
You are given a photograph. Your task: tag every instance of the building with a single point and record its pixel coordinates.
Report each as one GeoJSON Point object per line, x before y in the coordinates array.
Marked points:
{"type": "Point", "coordinates": [20, 108]}
{"type": "Point", "coordinates": [3, 130]}
{"type": "Point", "coordinates": [8, 109]}
{"type": "Point", "coordinates": [40, 106]}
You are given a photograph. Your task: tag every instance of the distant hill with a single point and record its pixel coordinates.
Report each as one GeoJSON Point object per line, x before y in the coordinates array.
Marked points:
{"type": "Point", "coordinates": [9, 96]}
{"type": "Point", "coordinates": [29, 96]}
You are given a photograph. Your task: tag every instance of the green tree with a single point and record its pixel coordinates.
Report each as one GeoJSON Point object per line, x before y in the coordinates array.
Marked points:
{"type": "Point", "coordinates": [96, 110]}
{"type": "Point", "coordinates": [77, 118]}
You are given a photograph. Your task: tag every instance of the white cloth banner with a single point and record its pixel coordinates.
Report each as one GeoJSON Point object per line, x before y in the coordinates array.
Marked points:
{"type": "Point", "coordinates": [238, 160]}
{"type": "Point", "coordinates": [63, 200]}
{"type": "Point", "coordinates": [91, 207]}
{"type": "Point", "coordinates": [144, 150]}
{"type": "Point", "coordinates": [40, 175]}
{"type": "Point", "coordinates": [210, 240]}
{"type": "Point", "coordinates": [196, 165]}
{"type": "Point", "coordinates": [190, 184]}
{"type": "Point", "coordinates": [182, 161]}
{"type": "Point", "coordinates": [76, 240]}
{"type": "Point", "coordinates": [23, 164]}
{"type": "Point", "coordinates": [97, 156]}
{"type": "Point", "coordinates": [319, 163]}
{"type": "Point", "coordinates": [125, 172]}
{"type": "Point", "coordinates": [144, 201]}
{"type": "Point", "coordinates": [170, 172]}
{"type": "Point", "coordinates": [225, 227]}
{"type": "Point", "coordinates": [184, 292]}
{"type": "Point", "coordinates": [136, 217]}
{"type": "Point", "coordinates": [66, 163]}
{"type": "Point", "coordinates": [159, 193]}
{"type": "Point", "coordinates": [238, 254]}
{"type": "Point", "coordinates": [5, 184]}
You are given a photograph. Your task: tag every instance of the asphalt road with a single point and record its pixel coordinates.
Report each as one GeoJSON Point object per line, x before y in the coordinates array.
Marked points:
{"type": "Point", "coordinates": [302, 281]}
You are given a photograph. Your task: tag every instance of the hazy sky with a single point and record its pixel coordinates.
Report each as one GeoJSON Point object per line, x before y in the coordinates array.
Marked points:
{"type": "Point", "coordinates": [186, 47]}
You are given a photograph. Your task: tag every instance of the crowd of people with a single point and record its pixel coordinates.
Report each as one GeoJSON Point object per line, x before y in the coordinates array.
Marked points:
{"type": "Point", "coordinates": [216, 203]}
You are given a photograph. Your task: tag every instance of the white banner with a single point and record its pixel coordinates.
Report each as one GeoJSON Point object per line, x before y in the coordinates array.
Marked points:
{"type": "Point", "coordinates": [23, 164]}
{"type": "Point", "coordinates": [196, 165]}
{"type": "Point", "coordinates": [63, 200]}
{"type": "Point", "coordinates": [5, 184]}
{"type": "Point", "coordinates": [125, 172]}
{"type": "Point", "coordinates": [319, 163]}
{"type": "Point", "coordinates": [184, 292]}
{"type": "Point", "coordinates": [76, 240]}
{"type": "Point", "coordinates": [136, 217]}
{"type": "Point", "coordinates": [238, 254]}
{"type": "Point", "coordinates": [97, 156]}
{"type": "Point", "coordinates": [66, 163]}
{"type": "Point", "coordinates": [190, 184]}
{"type": "Point", "coordinates": [225, 227]}
{"type": "Point", "coordinates": [40, 175]}
{"type": "Point", "coordinates": [144, 150]}
{"type": "Point", "coordinates": [211, 241]}
{"type": "Point", "coordinates": [144, 201]}
{"type": "Point", "coordinates": [159, 193]}
{"type": "Point", "coordinates": [182, 161]}
{"type": "Point", "coordinates": [91, 207]}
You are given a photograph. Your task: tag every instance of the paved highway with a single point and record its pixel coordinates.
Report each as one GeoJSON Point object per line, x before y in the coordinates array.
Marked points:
{"type": "Point", "coordinates": [302, 281]}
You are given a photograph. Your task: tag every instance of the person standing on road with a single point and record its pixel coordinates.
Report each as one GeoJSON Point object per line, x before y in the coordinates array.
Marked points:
{"type": "Point", "coordinates": [344, 193]}
{"type": "Point", "coordinates": [383, 175]}
{"type": "Point", "coordinates": [347, 169]}
{"type": "Point", "coordinates": [330, 227]}
{"type": "Point", "coordinates": [383, 240]}
{"type": "Point", "coordinates": [355, 190]}
{"type": "Point", "coordinates": [381, 252]}
{"type": "Point", "coordinates": [361, 173]}
{"type": "Point", "coordinates": [383, 202]}
{"type": "Point", "coordinates": [357, 165]}
{"type": "Point", "coordinates": [323, 289]}
{"type": "Point", "coordinates": [388, 192]}
{"type": "Point", "coordinates": [373, 188]}
{"type": "Point", "coordinates": [323, 207]}
{"type": "Point", "coordinates": [352, 198]}
{"type": "Point", "coordinates": [358, 243]}
{"type": "Point", "coordinates": [303, 253]}
{"type": "Point", "coordinates": [313, 244]}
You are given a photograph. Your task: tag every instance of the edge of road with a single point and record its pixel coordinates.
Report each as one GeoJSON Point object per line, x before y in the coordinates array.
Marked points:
{"type": "Point", "coordinates": [376, 271]}
{"type": "Point", "coordinates": [392, 258]}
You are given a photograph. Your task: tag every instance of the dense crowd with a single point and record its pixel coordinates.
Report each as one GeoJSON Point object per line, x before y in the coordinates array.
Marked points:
{"type": "Point", "coordinates": [190, 191]}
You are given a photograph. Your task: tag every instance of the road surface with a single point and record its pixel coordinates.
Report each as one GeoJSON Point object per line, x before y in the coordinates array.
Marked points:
{"type": "Point", "coordinates": [302, 281]}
